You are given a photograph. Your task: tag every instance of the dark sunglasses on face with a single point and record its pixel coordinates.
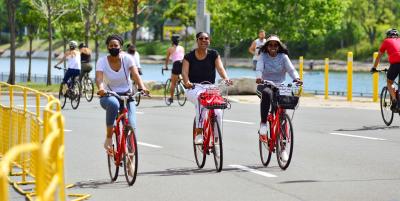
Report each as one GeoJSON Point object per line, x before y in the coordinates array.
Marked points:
{"type": "Point", "coordinates": [273, 45]}
{"type": "Point", "coordinates": [203, 38]}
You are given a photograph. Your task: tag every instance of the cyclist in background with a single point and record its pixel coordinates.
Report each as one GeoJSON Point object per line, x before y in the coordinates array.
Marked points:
{"type": "Point", "coordinates": [131, 49]}
{"type": "Point", "coordinates": [199, 66]}
{"type": "Point", "coordinates": [391, 44]}
{"type": "Point", "coordinates": [176, 53]}
{"type": "Point", "coordinates": [255, 47]}
{"type": "Point", "coordinates": [73, 59]}
{"type": "Point", "coordinates": [114, 73]}
{"type": "Point", "coordinates": [86, 66]}
{"type": "Point", "coordinates": [272, 65]}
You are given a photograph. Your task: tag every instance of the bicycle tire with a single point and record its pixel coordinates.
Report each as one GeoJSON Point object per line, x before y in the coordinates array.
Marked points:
{"type": "Point", "coordinates": [385, 103]}
{"type": "Point", "coordinates": [199, 154]}
{"type": "Point", "coordinates": [137, 99]}
{"type": "Point", "coordinates": [88, 88]}
{"type": "Point", "coordinates": [113, 168]}
{"type": "Point", "coordinates": [62, 97]}
{"type": "Point", "coordinates": [217, 147]}
{"type": "Point", "coordinates": [180, 94]}
{"type": "Point", "coordinates": [167, 90]}
{"type": "Point", "coordinates": [283, 139]}
{"type": "Point", "coordinates": [131, 157]}
{"type": "Point", "coordinates": [265, 152]}
{"type": "Point", "coordinates": [76, 95]}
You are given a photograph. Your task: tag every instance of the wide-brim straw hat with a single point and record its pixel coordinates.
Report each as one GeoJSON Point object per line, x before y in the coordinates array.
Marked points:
{"type": "Point", "coordinates": [274, 38]}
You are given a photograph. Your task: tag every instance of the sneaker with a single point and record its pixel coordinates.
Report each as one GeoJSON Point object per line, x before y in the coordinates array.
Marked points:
{"type": "Point", "coordinates": [170, 100]}
{"type": "Point", "coordinates": [394, 107]}
{"type": "Point", "coordinates": [198, 139]}
{"type": "Point", "coordinates": [108, 146]}
{"type": "Point", "coordinates": [263, 129]}
{"type": "Point", "coordinates": [284, 156]}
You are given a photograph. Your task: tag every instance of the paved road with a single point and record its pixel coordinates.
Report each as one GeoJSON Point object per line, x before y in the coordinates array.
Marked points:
{"type": "Point", "coordinates": [339, 154]}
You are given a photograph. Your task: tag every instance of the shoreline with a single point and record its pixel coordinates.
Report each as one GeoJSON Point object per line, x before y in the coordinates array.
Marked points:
{"type": "Point", "coordinates": [318, 65]}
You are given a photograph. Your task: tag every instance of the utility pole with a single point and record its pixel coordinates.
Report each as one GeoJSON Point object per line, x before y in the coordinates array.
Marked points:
{"type": "Point", "coordinates": [202, 18]}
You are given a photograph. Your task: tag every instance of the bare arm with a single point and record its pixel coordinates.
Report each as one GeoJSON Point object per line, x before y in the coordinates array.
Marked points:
{"type": "Point", "coordinates": [185, 74]}
{"type": "Point", "coordinates": [167, 57]}
{"type": "Point", "coordinates": [377, 60]}
{"type": "Point", "coordinates": [252, 47]}
{"type": "Point", "coordinates": [99, 83]}
{"type": "Point", "coordinates": [136, 77]}
{"type": "Point", "coordinates": [221, 70]}
{"type": "Point", "coordinates": [67, 53]}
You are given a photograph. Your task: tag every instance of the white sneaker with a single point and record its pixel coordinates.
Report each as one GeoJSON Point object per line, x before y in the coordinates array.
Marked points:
{"type": "Point", "coordinates": [198, 139]}
{"type": "Point", "coordinates": [284, 156]}
{"type": "Point", "coordinates": [263, 129]}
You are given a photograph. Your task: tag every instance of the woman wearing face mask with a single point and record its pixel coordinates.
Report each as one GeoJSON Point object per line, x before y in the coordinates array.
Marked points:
{"type": "Point", "coordinates": [272, 65]}
{"type": "Point", "coordinates": [114, 73]}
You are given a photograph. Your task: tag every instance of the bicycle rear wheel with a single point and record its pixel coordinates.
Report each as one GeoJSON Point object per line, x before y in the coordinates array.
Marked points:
{"type": "Point", "coordinates": [167, 91]}
{"type": "Point", "coordinates": [199, 153]}
{"type": "Point", "coordinates": [131, 157]}
{"type": "Point", "coordinates": [62, 97]}
{"type": "Point", "coordinates": [386, 102]}
{"type": "Point", "coordinates": [180, 94]}
{"type": "Point", "coordinates": [75, 95]}
{"type": "Point", "coordinates": [113, 167]}
{"type": "Point", "coordinates": [284, 141]}
{"type": "Point", "coordinates": [217, 148]}
{"type": "Point", "coordinates": [265, 152]}
{"type": "Point", "coordinates": [88, 88]}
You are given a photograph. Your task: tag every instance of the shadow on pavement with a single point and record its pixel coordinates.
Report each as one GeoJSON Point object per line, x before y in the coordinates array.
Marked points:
{"type": "Point", "coordinates": [369, 128]}
{"type": "Point", "coordinates": [101, 184]}
{"type": "Point", "coordinates": [339, 180]}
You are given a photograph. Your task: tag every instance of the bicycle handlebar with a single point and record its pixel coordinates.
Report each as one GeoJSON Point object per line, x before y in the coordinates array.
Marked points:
{"type": "Point", "coordinates": [269, 82]}
{"type": "Point", "coordinates": [58, 67]}
{"type": "Point", "coordinates": [164, 69]}
{"type": "Point", "coordinates": [374, 70]}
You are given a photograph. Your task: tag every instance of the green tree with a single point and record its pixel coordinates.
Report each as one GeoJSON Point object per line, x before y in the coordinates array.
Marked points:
{"type": "Point", "coordinates": [51, 10]}
{"type": "Point", "coordinates": [11, 9]}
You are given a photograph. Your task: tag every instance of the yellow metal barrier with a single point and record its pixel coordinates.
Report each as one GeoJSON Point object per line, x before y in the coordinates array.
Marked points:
{"type": "Point", "coordinates": [349, 76]}
{"type": "Point", "coordinates": [326, 77]}
{"type": "Point", "coordinates": [375, 81]}
{"type": "Point", "coordinates": [33, 145]}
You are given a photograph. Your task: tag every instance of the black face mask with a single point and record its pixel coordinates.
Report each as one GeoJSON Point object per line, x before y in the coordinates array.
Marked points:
{"type": "Point", "coordinates": [114, 51]}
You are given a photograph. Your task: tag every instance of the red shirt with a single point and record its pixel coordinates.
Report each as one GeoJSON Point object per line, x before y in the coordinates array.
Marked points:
{"type": "Point", "coordinates": [392, 47]}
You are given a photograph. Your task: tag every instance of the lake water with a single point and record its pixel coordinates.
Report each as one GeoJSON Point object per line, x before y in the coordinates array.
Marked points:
{"type": "Point", "coordinates": [313, 81]}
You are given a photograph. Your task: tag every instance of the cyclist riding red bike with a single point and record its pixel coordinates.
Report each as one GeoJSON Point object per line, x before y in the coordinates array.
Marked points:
{"type": "Point", "coordinates": [272, 65]}
{"type": "Point", "coordinates": [391, 45]}
{"type": "Point", "coordinates": [113, 73]}
{"type": "Point", "coordinates": [199, 66]}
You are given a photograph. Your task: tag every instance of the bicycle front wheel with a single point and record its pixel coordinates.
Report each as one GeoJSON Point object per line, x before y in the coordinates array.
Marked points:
{"type": "Point", "coordinates": [265, 151]}
{"type": "Point", "coordinates": [199, 153]}
{"type": "Point", "coordinates": [88, 88]}
{"type": "Point", "coordinates": [62, 97]}
{"type": "Point", "coordinates": [217, 149]}
{"type": "Point", "coordinates": [167, 91]}
{"type": "Point", "coordinates": [386, 102]}
{"type": "Point", "coordinates": [284, 142]}
{"type": "Point", "coordinates": [113, 167]}
{"type": "Point", "coordinates": [131, 157]}
{"type": "Point", "coordinates": [75, 95]}
{"type": "Point", "coordinates": [180, 94]}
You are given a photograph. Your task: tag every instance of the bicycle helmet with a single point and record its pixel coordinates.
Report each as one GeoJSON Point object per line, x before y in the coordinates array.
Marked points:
{"type": "Point", "coordinates": [392, 33]}
{"type": "Point", "coordinates": [73, 44]}
{"type": "Point", "coordinates": [175, 39]}
{"type": "Point", "coordinates": [82, 45]}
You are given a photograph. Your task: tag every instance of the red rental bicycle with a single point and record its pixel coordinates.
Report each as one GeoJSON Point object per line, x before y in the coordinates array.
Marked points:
{"type": "Point", "coordinates": [124, 145]}
{"type": "Point", "coordinates": [279, 137]}
{"type": "Point", "coordinates": [210, 99]}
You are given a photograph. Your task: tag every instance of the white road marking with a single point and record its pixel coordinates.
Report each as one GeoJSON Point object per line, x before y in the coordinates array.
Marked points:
{"type": "Point", "coordinates": [240, 122]}
{"type": "Point", "coordinates": [357, 136]}
{"type": "Point", "coordinates": [139, 112]}
{"type": "Point", "coordinates": [66, 130]}
{"type": "Point", "coordinates": [149, 145]}
{"type": "Point", "coordinates": [265, 174]}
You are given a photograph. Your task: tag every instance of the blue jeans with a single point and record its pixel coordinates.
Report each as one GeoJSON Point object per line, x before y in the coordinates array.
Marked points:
{"type": "Point", "coordinates": [112, 105]}
{"type": "Point", "coordinates": [71, 73]}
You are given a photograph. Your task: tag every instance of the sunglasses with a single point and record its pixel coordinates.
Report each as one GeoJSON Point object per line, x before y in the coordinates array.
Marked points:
{"type": "Point", "coordinates": [273, 45]}
{"type": "Point", "coordinates": [203, 38]}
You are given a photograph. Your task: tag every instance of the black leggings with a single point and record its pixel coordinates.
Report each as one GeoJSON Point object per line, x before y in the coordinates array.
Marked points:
{"type": "Point", "coordinates": [268, 96]}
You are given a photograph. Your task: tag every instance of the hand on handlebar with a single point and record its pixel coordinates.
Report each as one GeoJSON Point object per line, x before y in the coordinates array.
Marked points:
{"type": "Point", "coordinates": [373, 70]}
{"type": "Point", "coordinates": [298, 82]}
{"type": "Point", "coordinates": [101, 92]}
{"type": "Point", "coordinates": [259, 80]}
{"type": "Point", "coordinates": [228, 82]}
{"type": "Point", "coordinates": [188, 85]}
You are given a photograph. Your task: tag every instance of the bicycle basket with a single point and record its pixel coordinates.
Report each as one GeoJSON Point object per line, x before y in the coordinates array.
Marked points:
{"type": "Point", "coordinates": [288, 102]}
{"type": "Point", "coordinates": [212, 99]}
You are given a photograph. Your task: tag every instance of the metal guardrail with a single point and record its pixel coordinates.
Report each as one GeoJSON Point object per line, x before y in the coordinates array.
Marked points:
{"type": "Point", "coordinates": [32, 144]}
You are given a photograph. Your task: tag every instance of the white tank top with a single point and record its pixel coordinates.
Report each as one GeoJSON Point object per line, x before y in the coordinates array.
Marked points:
{"type": "Point", "coordinates": [74, 62]}
{"type": "Point", "coordinates": [259, 44]}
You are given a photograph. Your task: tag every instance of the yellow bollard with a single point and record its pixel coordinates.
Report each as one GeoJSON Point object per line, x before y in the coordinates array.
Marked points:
{"type": "Point", "coordinates": [349, 76]}
{"type": "Point", "coordinates": [326, 77]}
{"type": "Point", "coordinates": [301, 67]}
{"type": "Point", "coordinates": [375, 81]}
